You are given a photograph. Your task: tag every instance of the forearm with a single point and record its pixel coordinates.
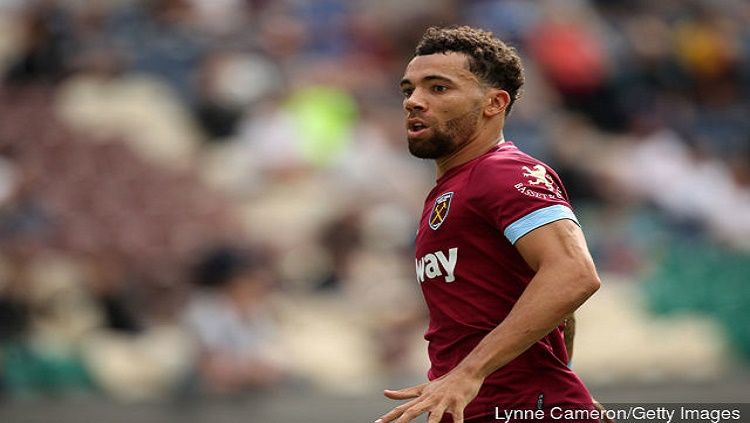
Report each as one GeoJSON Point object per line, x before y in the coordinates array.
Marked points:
{"type": "Point", "coordinates": [570, 334]}
{"type": "Point", "coordinates": [547, 300]}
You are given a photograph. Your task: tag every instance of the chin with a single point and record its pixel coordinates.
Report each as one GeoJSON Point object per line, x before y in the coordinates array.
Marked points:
{"type": "Point", "coordinates": [423, 150]}
{"type": "Point", "coordinates": [430, 148]}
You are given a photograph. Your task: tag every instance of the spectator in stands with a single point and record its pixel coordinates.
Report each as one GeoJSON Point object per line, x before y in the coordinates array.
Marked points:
{"type": "Point", "coordinates": [232, 323]}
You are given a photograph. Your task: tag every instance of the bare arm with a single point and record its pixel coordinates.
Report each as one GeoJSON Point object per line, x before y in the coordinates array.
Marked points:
{"type": "Point", "coordinates": [570, 334]}
{"type": "Point", "coordinates": [565, 278]}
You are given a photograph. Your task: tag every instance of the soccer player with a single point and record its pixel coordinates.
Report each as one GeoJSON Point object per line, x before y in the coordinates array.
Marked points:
{"type": "Point", "coordinates": [500, 257]}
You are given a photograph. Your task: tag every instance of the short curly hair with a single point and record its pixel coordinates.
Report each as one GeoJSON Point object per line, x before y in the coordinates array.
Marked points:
{"type": "Point", "coordinates": [490, 59]}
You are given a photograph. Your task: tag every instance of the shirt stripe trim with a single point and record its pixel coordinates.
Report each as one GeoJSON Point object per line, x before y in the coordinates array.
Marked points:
{"type": "Point", "coordinates": [538, 218]}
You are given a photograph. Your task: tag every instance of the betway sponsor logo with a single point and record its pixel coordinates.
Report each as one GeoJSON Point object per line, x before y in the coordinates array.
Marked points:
{"type": "Point", "coordinates": [437, 264]}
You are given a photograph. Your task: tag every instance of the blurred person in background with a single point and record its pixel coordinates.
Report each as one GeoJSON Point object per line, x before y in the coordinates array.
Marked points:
{"type": "Point", "coordinates": [230, 318]}
{"type": "Point", "coordinates": [139, 352]}
{"type": "Point", "coordinates": [500, 257]}
{"type": "Point", "coordinates": [50, 314]}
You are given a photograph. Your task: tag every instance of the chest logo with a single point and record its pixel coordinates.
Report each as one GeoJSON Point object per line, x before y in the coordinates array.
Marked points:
{"type": "Point", "coordinates": [440, 210]}
{"type": "Point", "coordinates": [437, 264]}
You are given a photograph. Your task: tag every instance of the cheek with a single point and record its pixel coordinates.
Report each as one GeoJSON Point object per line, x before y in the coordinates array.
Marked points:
{"type": "Point", "coordinates": [448, 111]}
{"type": "Point", "coordinates": [456, 111]}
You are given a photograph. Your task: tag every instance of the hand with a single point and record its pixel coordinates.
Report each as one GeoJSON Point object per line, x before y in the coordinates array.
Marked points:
{"type": "Point", "coordinates": [448, 394]}
{"type": "Point", "coordinates": [602, 409]}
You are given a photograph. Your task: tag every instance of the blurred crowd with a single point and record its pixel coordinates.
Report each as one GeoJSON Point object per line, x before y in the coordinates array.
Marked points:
{"type": "Point", "coordinates": [214, 196]}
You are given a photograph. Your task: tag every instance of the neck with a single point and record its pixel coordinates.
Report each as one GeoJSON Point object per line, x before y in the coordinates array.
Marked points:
{"type": "Point", "coordinates": [473, 148]}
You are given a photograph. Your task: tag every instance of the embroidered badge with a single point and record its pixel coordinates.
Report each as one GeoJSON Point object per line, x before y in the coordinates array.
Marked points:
{"type": "Point", "coordinates": [538, 176]}
{"type": "Point", "coordinates": [537, 179]}
{"type": "Point", "coordinates": [440, 210]}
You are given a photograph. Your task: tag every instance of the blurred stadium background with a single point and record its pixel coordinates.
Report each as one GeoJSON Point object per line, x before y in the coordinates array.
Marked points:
{"type": "Point", "coordinates": [207, 208]}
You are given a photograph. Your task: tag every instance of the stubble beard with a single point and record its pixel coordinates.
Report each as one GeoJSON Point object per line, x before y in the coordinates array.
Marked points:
{"type": "Point", "coordinates": [447, 139]}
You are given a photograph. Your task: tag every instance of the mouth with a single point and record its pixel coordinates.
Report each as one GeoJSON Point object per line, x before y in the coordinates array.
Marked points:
{"type": "Point", "coordinates": [415, 128]}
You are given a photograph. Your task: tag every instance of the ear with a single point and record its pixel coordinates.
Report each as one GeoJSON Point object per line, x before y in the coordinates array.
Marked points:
{"type": "Point", "coordinates": [497, 101]}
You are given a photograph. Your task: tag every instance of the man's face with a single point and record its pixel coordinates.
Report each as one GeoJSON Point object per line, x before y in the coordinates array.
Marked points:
{"type": "Point", "coordinates": [442, 102]}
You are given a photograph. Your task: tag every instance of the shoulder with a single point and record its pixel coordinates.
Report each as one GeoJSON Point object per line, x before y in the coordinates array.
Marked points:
{"type": "Point", "coordinates": [506, 165]}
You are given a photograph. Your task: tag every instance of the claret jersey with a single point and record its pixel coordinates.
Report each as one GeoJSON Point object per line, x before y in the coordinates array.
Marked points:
{"type": "Point", "coordinates": [471, 274]}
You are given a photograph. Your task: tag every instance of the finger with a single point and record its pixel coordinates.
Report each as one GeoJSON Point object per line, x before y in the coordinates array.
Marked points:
{"type": "Point", "coordinates": [405, 393]}
{"type": "Point", "coordinates": [458, 415]}
{"type": "Point", "coordinates": [396, 412]}
{"type": "Point", "coordinates": [436, 414]}
{"type": "Point", "coordinates": [601, 408]}
{"type": "Point", "coordinates": [414, 411]}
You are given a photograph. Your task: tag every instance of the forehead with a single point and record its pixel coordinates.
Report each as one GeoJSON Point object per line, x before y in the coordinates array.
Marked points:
{"type": "Point", "coordinates": [451, 65]}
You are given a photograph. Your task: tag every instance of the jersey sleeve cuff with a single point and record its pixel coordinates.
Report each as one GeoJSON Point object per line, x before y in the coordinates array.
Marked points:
{"type": "Point", "coordinates": [538, 218]}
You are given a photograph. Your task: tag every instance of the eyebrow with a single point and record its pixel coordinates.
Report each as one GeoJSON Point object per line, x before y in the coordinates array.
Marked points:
{"type": "Point", "coordinates": [427, 78]}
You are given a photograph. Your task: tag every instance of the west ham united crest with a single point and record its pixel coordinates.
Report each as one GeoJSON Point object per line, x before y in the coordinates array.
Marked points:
{"type": "Point", "coordinates": [440, 210]}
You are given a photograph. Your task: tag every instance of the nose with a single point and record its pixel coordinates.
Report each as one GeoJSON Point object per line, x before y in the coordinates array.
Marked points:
{"type": "Point", "coordinates": [415, 102]}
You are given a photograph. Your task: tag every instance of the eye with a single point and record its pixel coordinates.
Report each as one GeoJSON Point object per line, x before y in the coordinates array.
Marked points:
{"type": "Point", "coordinates": [407, 92]}
{"type": "Point", "coordinates": [439, 88]}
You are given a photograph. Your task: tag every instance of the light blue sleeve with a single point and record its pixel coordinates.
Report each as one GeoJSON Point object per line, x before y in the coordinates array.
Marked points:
{"type": "Point", "coordinates": [538, 218]}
